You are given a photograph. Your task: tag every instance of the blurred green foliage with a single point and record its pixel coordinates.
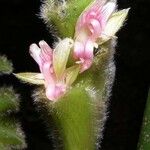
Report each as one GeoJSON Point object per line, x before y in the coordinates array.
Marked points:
{"type": "Point", "coordinates": [11, 136]}
{"type": "Point", "coordinates": [5, 65]}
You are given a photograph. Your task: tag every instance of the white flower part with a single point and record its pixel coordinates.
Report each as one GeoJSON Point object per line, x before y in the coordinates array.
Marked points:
{"type": "Point", "coordinates": [35, 52]}
{"type": "Point", "coordinates": [113, 25]}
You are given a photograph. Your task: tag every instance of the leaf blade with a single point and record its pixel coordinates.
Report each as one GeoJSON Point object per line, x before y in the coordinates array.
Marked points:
{"type": "Point", "coordinates": [30, 77]}
{"type": "Point", "coordinates": [71, 74]}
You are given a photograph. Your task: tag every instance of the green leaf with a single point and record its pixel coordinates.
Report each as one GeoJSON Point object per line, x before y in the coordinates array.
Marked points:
{"type": "Point", "coordinates": [30, 77]}
{"type": "Point", "coordinates": [11, 136]}
{"type": "Point", "coordinates": [61, 55]}
{"type": "Point", "coordinates": [71, 74]}
{"type": "Point", "coordinates": [10, 133]}
{"type": "Point", "coordinates": [6, 66]}
{"type": "Point", "coordinates": [114, 24]}
{"type": "Point", "coordinates": [8, 100]}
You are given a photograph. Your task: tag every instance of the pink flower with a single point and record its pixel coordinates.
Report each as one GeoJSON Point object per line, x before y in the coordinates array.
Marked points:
{"type": "Point", "coordinates": [89, 28]}
{"type": "Point", "coordinates": [52, 64]}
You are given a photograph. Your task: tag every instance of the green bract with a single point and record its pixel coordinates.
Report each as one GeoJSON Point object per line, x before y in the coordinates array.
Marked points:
{"type": "Point", "coordinates": [30, 77]}
{"type": "Point", "coordinates": [113, 25]}
{"type": "Point", "coordinates": [61, 55]}
{"type": "Point", "coordinates": [63, 15]}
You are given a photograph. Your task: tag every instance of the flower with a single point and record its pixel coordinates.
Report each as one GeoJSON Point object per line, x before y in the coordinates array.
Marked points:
{"type": "Point", "coordinates": [52, 64]}
{"type": "Point", "coordinates": [90, 26]}
{"type": "Point", "coordinates": [92, 29]}
{"type": "Point", "coordinates": [98, 23]}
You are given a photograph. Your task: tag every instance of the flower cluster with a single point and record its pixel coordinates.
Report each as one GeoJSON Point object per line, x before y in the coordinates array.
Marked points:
{"type": "Point", "coordinates": [90, 26]}
{"type": "Point", "coordinates": [97, 24]}
{"type": "Point", "coordinates": [52, 64]}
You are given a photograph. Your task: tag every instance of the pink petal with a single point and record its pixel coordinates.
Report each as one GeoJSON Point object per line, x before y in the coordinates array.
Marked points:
{"type": "Point", "coordinates": [95, 28]}
{"type": "Point", "coordinates": [46, 51]}
{"type": "Point", "coordinates": [108, 9]}
{"type": "Point", "coordinates": [50, 92]}
{"type": "Point", "coordinates": [35, 52]}
{"type": "Point", "coordinates": [99, 10]}
{"type": "Point", "coordinates": [43, 56]}
{"type": "Point", "coordinates": [91, 24]}
{"type": "Point", "coordinates": [54, 92]}
{"type": "Point", "coordinates": [89, 47]}
{"type": "Point", "coordinates": [48, 75]}
{"type": "Point", "coordinates": [106, 12]}
{"type": "Point", "coordinates": [60, 89]}
{"type": "Point", "coordinates": [91, 12]}
{"type": "Point", "coordinates": [78, 50]}
{"type": "Point", "coordinates": [86, 65]}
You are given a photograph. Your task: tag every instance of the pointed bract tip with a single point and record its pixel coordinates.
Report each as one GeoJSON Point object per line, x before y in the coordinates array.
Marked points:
{"type": "Point", "coordinates": [69, 41]}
